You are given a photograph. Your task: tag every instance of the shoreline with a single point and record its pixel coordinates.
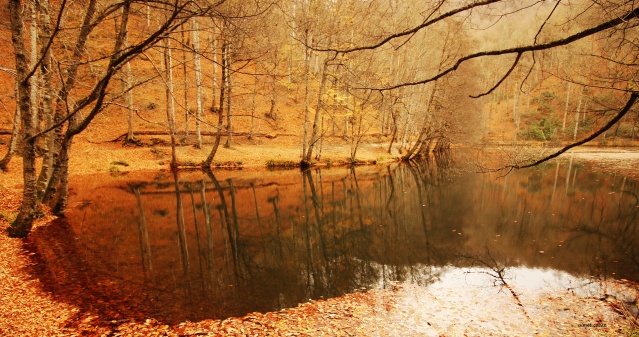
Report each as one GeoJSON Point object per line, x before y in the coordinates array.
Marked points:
{"type": "Point", "coordinates": [87, 158]}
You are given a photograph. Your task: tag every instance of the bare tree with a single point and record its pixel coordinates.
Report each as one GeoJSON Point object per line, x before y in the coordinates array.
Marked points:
{"type": "Point", "coordinates": [195, 32]}
{"type": "Point", "coordinates": [223, 92]}
{"type": "Point", "coordinates": [170, 99]}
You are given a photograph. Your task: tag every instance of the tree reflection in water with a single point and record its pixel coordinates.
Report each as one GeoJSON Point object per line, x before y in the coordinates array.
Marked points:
{"type": "Point", "coordinates": [223, 244]}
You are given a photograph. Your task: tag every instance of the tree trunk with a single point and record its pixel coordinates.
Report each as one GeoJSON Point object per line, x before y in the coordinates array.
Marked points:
{"type": "Point", "coordinates": [214, 91]}
{"type": "Point", "coordinates": [307, 80]}
{"type": "Point", "coordinates": [563, 125]}
{"type": "Point", "coordinates": [405, 131]}
{"type": "Point", "coordinates": [198, 79]}
{"type": "Point", "coordinates": [515, 112]}
{"type": "Point", "coordinates": [63, 167]}
{"type": "Point", "coordinates": [187, 113]}
{"type": "Point", "coordinates": [4, 163]}
{"type": "Point", "coordinates": [58, 135]}
{"type": "Point", "coordinates": [272, 111]}
{"type": "Point", "coordinates": [33, 59]}
{"type": "Point", "coordinates": [207, 163]}
{"type": "Point", "coordinates": [250, 136]}
{"type": "Point", "coordinates": [320, 143]}
{"type": "Point", "coordinates": [581, 94]}
{"type": "Point", "coordinates": [318, 108]}
{"type": "Point", "coordinates": [394, 132]}
{"type": "Point", "coordinates": [23, 223]}
{"type": "Point", "coordinates": [357, 138]}
{"type": "Point", "coordinates": [148, 17]}
{"type": "Point", "coordinates": [46, 102]}
{"type": "Point", "coordinates": [229, 87]}
{"type": "Point", "coordinates": [292, 40]}
{"type": "Point", "coordinates": [170, 101]}
{"type": "Point", "coordinates": [130, 137]}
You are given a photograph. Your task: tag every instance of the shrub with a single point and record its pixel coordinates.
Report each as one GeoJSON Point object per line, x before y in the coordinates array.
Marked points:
{"type": "Point", "coordinates": [119, 162]}
{"type": "Point", "coordinates": [272, 163]}
{"type": "Point", "coordinates": [544, 97]}
{"type": "Point", "coordinates": [543, 130]}
{"type": "Point", "coordinates": [114, 171]}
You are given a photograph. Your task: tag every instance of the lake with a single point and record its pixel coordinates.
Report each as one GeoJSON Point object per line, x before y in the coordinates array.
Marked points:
{"type": "Point", "coordinates": [195, 245]}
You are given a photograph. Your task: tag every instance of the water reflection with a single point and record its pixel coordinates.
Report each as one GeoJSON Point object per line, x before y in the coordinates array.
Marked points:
{"type": "Point", "coordinates": [195, 246]}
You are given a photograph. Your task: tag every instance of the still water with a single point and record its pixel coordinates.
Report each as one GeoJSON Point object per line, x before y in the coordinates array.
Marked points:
{"type": "Point", "coordinates": [194, 245]}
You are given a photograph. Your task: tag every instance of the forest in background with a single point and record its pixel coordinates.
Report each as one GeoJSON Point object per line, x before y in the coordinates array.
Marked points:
{"type": "Point", "coordinates": [417, 76]}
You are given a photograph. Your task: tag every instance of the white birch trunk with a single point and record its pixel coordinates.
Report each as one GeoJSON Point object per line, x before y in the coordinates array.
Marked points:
{"type": "Point", "coordinates": [581, 93]}
{"type": "Point", "coordinates": [515, 112]}
{"type": "Point", "coordinates": [198, 79]}
{"type": "Point", "coordinates": [215, 65]}
{"type": "Point", "coordinates": [253, 102]}
{"type": "Point", "coordinates": [129, 94]}
{"type": "Point", "coordinates": [563, 125]}
{"type": "Point", "coordinates": [229, 87]}
{"type": "Point", "coordinates": [307, 79]}
{"type": "Point", "coordinates": [170, 100]}
{"type": "Point", "coordinates": [185, 88]}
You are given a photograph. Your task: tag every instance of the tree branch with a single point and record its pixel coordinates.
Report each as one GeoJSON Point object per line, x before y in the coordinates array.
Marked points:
{"type": "Point", "coordinates": [412, 30]}
{"type": "Point", "coordinates": [629, 104]}
{"type": "Point", "coordinates": [610, 24]}
{"type": "Point", "coordinates": [501, 80]}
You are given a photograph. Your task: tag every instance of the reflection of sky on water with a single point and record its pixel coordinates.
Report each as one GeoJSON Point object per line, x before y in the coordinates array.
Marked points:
{"type": "Point", "coordinates": [468, 301]}
{"type": "Point", "coordinates": [533, 281]}
{"type": "Point", "coordinates": [525, 279]}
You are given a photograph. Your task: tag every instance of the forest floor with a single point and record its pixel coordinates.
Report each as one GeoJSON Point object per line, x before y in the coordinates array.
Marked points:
{"type": "Point", "coordinates": [442, 309]}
